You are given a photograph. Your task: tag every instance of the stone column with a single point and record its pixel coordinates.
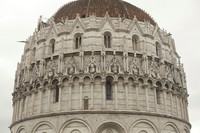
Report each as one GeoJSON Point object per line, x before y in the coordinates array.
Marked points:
{"type": "Point", "coordinates": [20, 107]}
{"type": "Point", "coordinates": [92, 94]}
{"type": "Point", "coordinates": [126, 89]}
{"type": "Point", "coordinates": [26, 110]}
{"type": "Point", "coordinates": [49, 99]}
{"type": "Point", "coordinates": [116, 94]}
{"type": "Point", "coordinates": [171, 100]}
{"type": "Point", "coordinates": [127, 62]}
{"type": "Point", "coordinates": [81, 95]}
{"type": "Point", "coordinates": [17, 109]}
{"type": "Point", "coordinates": [147, 96]}
{"type": "Point", "coordinates": [104, 95]}
{"type": "Point", "coordinates": [137, 95]}
{"type": "Point", "coordinates": [165, 100]}
{"type": "Point", "coordinates": [41, 100]}
{"type": "Point", "coordinates": [186, 102]}
{"type": "Point", "coordinates": [155, 98]}
{"type": "Point", "coordinates": [60, 97]}
{"type": "Point", "coordinates": [70, 93]}
{"type": "Point", "coordinates": [33, 102]}
{"type": "Point", "coordinates": [13, 118]}
{"type": "Point", "coordinates": [177, 110]}
{"type": "Point", "coordinates": [184, 107]}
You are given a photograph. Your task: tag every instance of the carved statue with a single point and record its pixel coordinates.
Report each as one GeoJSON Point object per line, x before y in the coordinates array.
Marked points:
{"type": "Point", "coordinates": [71, 69]}
{"type": "Point", "coordinates": [50, 70]}
{"type": "Point", "coordinates": [114, 68]}
{"type": "Point", "coordinates": [135, 69]}
{"type": "Point", "coordinates": [92, 68]}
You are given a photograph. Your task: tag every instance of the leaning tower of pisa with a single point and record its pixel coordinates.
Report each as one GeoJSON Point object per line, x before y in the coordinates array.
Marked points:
{"type": "Point", "coordinates": [100, 66]}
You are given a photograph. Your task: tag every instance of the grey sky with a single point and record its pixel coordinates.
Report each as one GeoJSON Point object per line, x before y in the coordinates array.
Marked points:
{"type": "Point", "coordinates": [18, 19]}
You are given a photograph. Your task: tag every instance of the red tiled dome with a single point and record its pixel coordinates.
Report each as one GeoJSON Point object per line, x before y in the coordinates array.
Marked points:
{"type": "Point", "coordinates": [114, 8]}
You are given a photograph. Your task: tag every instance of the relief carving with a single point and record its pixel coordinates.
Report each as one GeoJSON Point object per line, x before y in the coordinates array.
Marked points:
{"type": "Point", "coordinates": [153, 69]}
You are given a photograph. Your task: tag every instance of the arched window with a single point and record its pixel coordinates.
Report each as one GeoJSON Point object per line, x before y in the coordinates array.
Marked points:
{"type": "Point", "coordinates": [52, 45]}
{"type": "Point", "coordinates": [158, 49]}
{"type": "Point", "coordinates": [158, 90]}
{"type": "Point", "coordinates": [107, 40]}
{"type": "Point", "coordinates": [135, 40]}
{"type": "Point", "coordinates": [109, 88]}
{"type": "Point", "coordinates": [56, 91]}
{"type": "Point", "coordinates": [86, 103]}
{"type": "Point", "coordinates": [78, 41]}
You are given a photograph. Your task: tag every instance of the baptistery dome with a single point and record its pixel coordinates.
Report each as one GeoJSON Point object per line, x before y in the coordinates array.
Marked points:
{"type": "Point", "coordinates": [115, 8]}
{"type": "Point", "coordinates": [100, 66]}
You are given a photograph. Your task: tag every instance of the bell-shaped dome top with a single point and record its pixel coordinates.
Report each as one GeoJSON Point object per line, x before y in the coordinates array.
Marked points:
{"type": "Point", "coordinates": [115, 8]}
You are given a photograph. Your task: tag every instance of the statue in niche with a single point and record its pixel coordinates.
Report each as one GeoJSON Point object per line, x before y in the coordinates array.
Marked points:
{"type": "Point", "coordinates": [41, 68]}
{"type": "Point", "coordinates": [54, 66]}
{"type": "Point", "coordinates": [71, 67]}
{"type": "Point", "coordinates": [92, 66]}
{"type": "Point", "coordinates": [50, 70]}
{"type": "Point", "coordinates": [134, 67]}
{"type": "Point", "coordinates": [114, 68]}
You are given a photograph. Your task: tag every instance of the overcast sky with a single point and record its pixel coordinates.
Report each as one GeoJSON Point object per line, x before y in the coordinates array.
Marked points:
{"type": "Point", "coordinates": [18, 19]}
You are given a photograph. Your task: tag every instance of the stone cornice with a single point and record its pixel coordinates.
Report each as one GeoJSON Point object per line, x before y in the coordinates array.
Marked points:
{"type": "Point", "coordinates": [98, 112]}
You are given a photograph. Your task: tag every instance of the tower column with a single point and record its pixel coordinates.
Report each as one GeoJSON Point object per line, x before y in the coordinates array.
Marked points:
{"type": "Point", "coordinates": [33, 102]}
{"type": "Point", "coordinates": [60, 96]}
{"type": "Point", "coordinates": [49, 99]}
{"type": "Point", "coordinates": [26, 110]}
{"type": "Point", "coordinates": [70, 93]}
{"type": "Point", "coordinates": [165, 100]}
{"type": "Point", "coordinates": [116, 94]}
{"type": "Point", "coordinates": [92, 95]}
{"type": "Point", "coordinates": [137, 95]}
{"type": "Point", "coordinates": [147, 97]}
{"type": "Point", "coordinates": [126, 88]}
{"type": "Point", "coordinates": [155, 98]}
{"type": "Point", "coordinates": [81, 95]}
{"type": "Point", "coordinates": [104, 94]}
{"type": "Point", "coordinates": [177, 104]}
{"type": "Point", "coordinates": [41, 100]}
